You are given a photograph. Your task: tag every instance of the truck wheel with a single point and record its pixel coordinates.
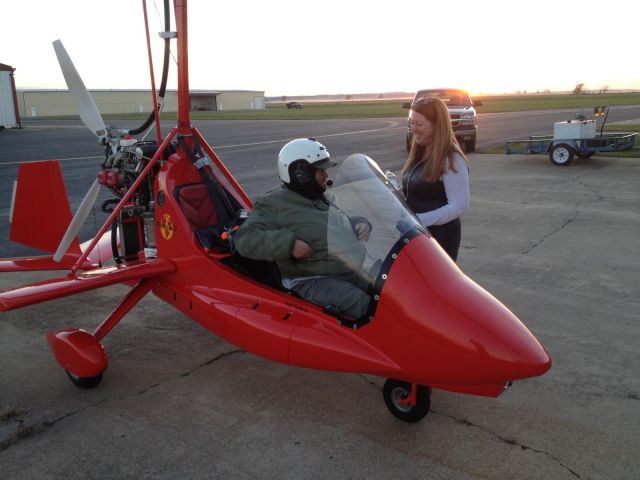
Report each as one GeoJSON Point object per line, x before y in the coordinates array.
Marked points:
{"type": "Point", "coordinates": [470, 146]}
{"type": "Point", "coordinates": [561, 154]}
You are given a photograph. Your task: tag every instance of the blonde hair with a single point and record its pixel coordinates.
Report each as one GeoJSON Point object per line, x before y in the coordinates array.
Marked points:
{"type": "Point", "coordinates": [445, 143]}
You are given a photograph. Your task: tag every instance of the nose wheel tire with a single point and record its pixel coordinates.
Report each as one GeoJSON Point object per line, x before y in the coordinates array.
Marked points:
{"type": "Point", "coordinates": [396, 396]}
{"type": "Point", "coordinates": [84, 382]}
{"type": "Point", "coordinates": [561, 154]}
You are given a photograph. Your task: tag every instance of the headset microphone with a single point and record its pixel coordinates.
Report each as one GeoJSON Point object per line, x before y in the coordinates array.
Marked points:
{"type": "Point", "coordinates": [328, 183]}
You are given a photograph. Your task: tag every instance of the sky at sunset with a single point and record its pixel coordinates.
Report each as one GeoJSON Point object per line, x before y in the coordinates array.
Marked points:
{"type": "Point", "coordinates": [303, 47]}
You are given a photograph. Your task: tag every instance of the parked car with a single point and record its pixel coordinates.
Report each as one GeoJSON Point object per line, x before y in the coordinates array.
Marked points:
{"type": "Point", "coordinates": [291, 105]}
{"type": "Point", "coordinates": [463, 115]}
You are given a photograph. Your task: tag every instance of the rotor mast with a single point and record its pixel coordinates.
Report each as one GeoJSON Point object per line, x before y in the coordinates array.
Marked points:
{"type": "Point", "coordinates": [184, 102]}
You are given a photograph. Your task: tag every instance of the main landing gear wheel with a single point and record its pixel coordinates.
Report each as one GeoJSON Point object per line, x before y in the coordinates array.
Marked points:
{"type": "Point", "coordinates": [84, 382]}
{"type": "Point", "coordinates": [561, 154]}
{"type": "Point", "coordinates": [397, 397]}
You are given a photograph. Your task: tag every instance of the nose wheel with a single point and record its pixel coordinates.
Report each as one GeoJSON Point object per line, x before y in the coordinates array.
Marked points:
{"type": "Point", "coordinates": [407, 401]}
{"type": "Point", "coordinates": [84, 382]}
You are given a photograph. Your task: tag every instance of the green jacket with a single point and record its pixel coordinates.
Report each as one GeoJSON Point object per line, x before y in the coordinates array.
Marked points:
{"type": "Point", "coordinates": [282, 216]}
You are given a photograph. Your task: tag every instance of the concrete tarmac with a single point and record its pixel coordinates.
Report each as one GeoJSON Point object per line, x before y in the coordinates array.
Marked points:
{"type": "Point", "coordinates": [559, 246]}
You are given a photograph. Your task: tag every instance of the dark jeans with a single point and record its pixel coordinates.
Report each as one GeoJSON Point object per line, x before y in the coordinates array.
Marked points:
{"type": "Point", "coordinates": [448, 236]}
{"type": "Point", "coordinates": [339, 292]}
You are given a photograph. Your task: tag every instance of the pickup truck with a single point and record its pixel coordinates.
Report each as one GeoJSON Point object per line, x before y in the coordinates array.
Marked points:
{"type": "Point", "coordinates": [463, 115]}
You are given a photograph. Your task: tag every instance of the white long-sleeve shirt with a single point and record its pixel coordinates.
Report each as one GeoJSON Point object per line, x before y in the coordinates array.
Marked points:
{"type": "Point", "coordinates": [456, 186]}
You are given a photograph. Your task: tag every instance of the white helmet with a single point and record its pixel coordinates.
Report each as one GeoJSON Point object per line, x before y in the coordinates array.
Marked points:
{"type": "Point", "coordinates": [308, 150]}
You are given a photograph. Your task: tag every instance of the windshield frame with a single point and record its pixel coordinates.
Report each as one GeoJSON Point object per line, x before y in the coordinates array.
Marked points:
{"type": "Point", "coordinates": [362, 190]}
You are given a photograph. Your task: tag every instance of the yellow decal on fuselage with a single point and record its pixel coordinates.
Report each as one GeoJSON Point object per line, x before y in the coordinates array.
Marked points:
{"type": "Point", "coordinates": [167, 227]}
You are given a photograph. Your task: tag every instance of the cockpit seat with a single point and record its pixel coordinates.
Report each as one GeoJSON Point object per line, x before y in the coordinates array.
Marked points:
{"type": "Point", "coordinates": [196, 205]}
{"type": "Point", "coordinates": [202, 215]}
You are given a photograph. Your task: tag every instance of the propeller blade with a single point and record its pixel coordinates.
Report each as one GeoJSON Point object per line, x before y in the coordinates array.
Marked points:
{"type": "Point", "coordinates": [78, 220]}
{"type": "Point", "coordinates": [82, 99]}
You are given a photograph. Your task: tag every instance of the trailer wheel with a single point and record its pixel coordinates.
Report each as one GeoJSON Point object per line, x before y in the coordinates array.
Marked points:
{"type": "Point", "coordinates": [585, 154]}
{"type": "Point", "coordinates": [561, 154]}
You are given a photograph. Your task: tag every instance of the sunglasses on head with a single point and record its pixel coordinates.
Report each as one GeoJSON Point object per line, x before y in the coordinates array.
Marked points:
{"type": "Point", "coordinates": [422, 101]}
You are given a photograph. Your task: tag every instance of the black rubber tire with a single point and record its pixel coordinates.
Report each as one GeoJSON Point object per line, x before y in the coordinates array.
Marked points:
{"type": "Point", "coordinates": [84, 382]}
{"type": "Point", "coordinates": [585, 154]}
{"type": "Point", "coordinates": [561, 154]}
{"type": "Point", "coordinates": [394, 390]}
{"type": "Point", "coordinates": [470, 146]}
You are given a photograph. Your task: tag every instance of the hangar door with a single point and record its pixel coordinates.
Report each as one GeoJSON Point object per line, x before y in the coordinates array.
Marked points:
{"type": "Point", "coordinates": [8, 114]}
{"type": "Point", "coordinates": [204, 103]}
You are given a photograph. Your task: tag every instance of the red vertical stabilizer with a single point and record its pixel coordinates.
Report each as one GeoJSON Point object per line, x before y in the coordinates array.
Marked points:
{"type": "Point", "coordinates": [41, 212]}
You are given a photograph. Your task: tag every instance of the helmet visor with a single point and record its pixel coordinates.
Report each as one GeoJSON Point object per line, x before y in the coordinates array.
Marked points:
{"type": "Point", "coordinates": [324, 164]}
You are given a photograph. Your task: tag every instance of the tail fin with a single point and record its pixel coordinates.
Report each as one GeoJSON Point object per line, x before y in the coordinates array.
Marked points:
{"type": "Point", "coordinates": [40, 209]}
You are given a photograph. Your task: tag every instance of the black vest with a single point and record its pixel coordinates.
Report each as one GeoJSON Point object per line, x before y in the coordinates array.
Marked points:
{"type": "Point", "coordinates": [422, 196]}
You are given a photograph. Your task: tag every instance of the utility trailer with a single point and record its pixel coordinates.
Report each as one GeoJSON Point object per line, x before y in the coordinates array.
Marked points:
{"type": "Point", "coordinates": [574, 137]}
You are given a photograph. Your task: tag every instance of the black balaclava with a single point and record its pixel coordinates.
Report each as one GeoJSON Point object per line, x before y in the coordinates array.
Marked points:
{"type": "Point", "coordinates": [311, 189]}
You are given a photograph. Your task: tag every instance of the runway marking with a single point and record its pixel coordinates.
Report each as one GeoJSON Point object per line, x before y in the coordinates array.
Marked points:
{"type": "Point", "coordinates": [56, 159]}
{"type": "Point", "coordinates": [35, 126]}
{"type": "Point", "coordinates": [391, 125]}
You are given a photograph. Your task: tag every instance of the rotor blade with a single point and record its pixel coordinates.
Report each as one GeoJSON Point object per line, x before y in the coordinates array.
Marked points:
{"type": "Point", "coordinates": [78, 220]}
{"type": "Point", "coordinates": [82, 99]}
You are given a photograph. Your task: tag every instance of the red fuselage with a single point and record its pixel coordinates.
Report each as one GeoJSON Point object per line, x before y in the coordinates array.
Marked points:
{"type": "Point", "coordinates": [433, 325]}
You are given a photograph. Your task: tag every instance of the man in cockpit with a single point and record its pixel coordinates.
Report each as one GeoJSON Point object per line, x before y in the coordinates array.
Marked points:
{"type": "Point", "coordinates": [289, 226]}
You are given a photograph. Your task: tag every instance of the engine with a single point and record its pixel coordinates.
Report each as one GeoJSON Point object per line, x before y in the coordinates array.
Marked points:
{"type": "Point", "coordinates": [134, 230]}
{"type": "Point", "coordinates": [122, 168]}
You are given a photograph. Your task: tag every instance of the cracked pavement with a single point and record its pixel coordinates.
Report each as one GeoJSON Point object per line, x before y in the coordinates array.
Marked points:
{"type": "Point", "coordinates": [559, 246]}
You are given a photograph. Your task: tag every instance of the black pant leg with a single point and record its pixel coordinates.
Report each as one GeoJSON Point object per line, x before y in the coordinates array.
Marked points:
{"type": "Point", "coordinates": [448, 236]}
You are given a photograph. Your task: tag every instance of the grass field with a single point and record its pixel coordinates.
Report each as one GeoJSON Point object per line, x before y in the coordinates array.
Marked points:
{"type": "Point", "coordinates": [393, 108]}
{"type": "Point", "coordinates": [510, 103]}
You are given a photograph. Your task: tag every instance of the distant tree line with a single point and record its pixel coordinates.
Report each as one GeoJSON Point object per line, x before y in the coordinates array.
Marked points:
{"type": "Point", "coordinates": [579, 90]}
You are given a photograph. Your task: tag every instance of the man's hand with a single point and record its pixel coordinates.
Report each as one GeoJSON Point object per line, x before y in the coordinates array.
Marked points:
{"type": "Point", "coordinates": [301, 249]}
{"type": "Point", "coordinates": [363, 231]}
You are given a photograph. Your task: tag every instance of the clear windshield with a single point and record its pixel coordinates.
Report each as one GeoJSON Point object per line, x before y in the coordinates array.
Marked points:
{"type": "Point", "coordinates": [362, 193]}
{"type": "Point", "coordinates": [450, 97]}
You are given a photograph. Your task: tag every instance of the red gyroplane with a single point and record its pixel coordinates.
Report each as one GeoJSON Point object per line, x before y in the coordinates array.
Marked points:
{"type": "Point", "coordinates": [170, 232]}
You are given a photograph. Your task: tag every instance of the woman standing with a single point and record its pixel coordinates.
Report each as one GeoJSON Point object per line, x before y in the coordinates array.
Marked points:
{"type": "Point", "coordinates": [435, 177]}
